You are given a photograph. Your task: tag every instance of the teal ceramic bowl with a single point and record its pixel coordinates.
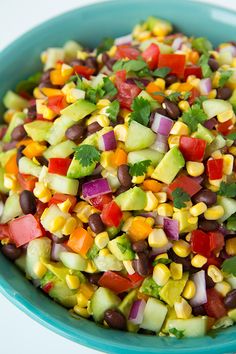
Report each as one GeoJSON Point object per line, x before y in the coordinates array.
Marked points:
{"type": "Point", "coordinates": [89, 25]}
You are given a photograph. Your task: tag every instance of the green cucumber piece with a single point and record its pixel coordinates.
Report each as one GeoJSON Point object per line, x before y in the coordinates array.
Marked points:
{"type": "Point", "coordinates": [139, 137]}
{"type": "Point", "coordinates": [133, 199]}
{"type": "Point", "coordinates": [229, 205]}
{"type": "Point", "coordinates": [73, 261]}
{"type": "Point", "coordinates": [12, 208]}
{"type": "Point", "coordinates": [127, 303]}
{"type": "Point", "coordinates": [213, 107]}
{"type": "Point", "coordinates": [120, 247]}
{"type": "Point", "coordinates": [13, 101]}
{"type": "Point", "coordinates": [6, 155]}
{"type": "Point", "coordinates": [192, 327]}
{"type": "Point", "coordinates": [79, 110]}
{"type": "Point", "coordinates": [17, 119]}
{"type": "Point", "coordinates": [152, 321]}
{"type": "Point", "coordinates": [38, 130]}
{"type": "Point", "coordinates": [63, 150]}
{"type": "Point", "coordinates": [39, 248]}
{"type": "Point", "coordinates": [204, 134]}
{"type": "Point", "coordinates": [146, 154]}
{"type": "Point", "coordinates": [76, 170]}
{"type": "Point", "coordinates": [153, 103]}
{"type": "Point", "coordinates": [108, 262]}
{"type": "Point", "coordinates": [28, 167]}
{"type": "Point", "coordinates": [62, 184]}
{"type": "Point", "coordinates": [57, 131]}
{"type": "Point", "coordinates": [102, 300]}
{"type": "Point", "coordinates": [218, 143]}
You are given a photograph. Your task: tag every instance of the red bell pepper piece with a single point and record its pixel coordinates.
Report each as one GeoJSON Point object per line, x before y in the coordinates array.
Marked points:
{"type": "Point", "coordinates": [192, 70]}
{"type": "Point", "coordinates": [215, 168]}
{"type": "Point", "coordinates": [56, 103]}
{"type": "Point", "coordinates": [217, 241]}
{"type": "Point", "coordinates": [135, 278]}
{"type": "Point", "coordinates": [176, 62]}
{"type": "Point", "coordinates": [188, 184]}
{"type": "Point", "coordinates": [194, 94]}
{"type": "Point", "coordinates": [59, 165]}
{"type": "Point", "coordinates": [200, 243]}
{"type": "Point", "coordinates": [225, 127]}
{"type": "Point", "coordinates": [48, 287]}
{"type": "Point", "coordinates": [26, 181]}
{"type": "Point", "coordinates": [24, 229]}
{"type": "Point", "coordinates": [193, 149]}
{"type": "Point", "coordinates": [151, 55]}
{"type": "Point", "coordinates": [126, 92]}
{"type": "Point", "coordinates": [115, 282]}
{"type": "Point", "coordinates": [101, 200]}
{"type": "Point", "coordinates": [213, 260]}
{"type": "Point", "coordinates": [4, 231]}
{"type": "Point", "coordinates": [126, 51]}
{"type": "Point", "coordinates": [111, 214]}
{"type": "Point", "coordinates": [60, 198]}
{"type": "Point", "coordinates": [84, 71]}
{"type": "Point", "coordinates": [215, 306]}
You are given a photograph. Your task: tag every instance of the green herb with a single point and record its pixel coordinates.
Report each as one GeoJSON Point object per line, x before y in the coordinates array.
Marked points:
{"type": "Point", "coordinates": [177, 333]}
{"type": "Point", "coordinates": [109, 88]}
{"type": "Point", "coordinates": [174, 96]}
{"type": "Point", "coordinates": [47, 278]}
{"type": "Point", "coordinates": [162, 72]}
{"type": "Point", "coordinates": [105, 45]}
{"type": "Point", "coordinates": [29, 84]}
{"type": "Point", "coordinates": [139, 168]}
{"type": "Point", "coordinates": [80, 83]}
{"type": "Point", "coordinates": [180, 197]}
{"type": "Point", "coordinates": [224, 77]}
{"type": "Point", "coordinates": [121, 247]}
{"type": "Point", "coordinates": [150, 287]}
{"type": "Point", "coordinates": [200, 99]}
{"type": "Point", "coordinates": [202, 45]}
{"type": "Point", "coordinates": [193, 116]}
{"type": "Point", "coordinates": [113, 110]}
{"type": "Point", "coordinates": [185, 95]}
{"type": "Point", "coordinates": [139, 84]}
{"type": "Point", "coordinates": [87, 155]}
{"type": "Point", "coordinates": [93, 252]}
{"type": "Point", "coordinates": [231, 136]}
{"type": "Point", "coordinates": [231, 223]}
{"type": "Point", "coordinates": [227, 190]}
{"type": "Point", "coordinates": [141, 111]}
{"type": "Point", "coordinates": [229, 266]}
{"type": "Point", "coordinates": [93, 95]}
{"type": "Point", "coordinates": [162, 261]}
{"type": "Point", "coordinates": [129, 65]}
{"type": "Point", "coordinates": [203, 62]}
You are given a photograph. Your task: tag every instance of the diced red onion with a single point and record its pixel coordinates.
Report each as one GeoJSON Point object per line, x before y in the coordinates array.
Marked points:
{"type": "Point", "coordinates": [96, 187]}
{"type": "Point", "coordinates": [200, 296]}
{"type": "Point", "coordinates": [156, 251]}
{"type": "Point", "coordinates": [171, 228]}
{"type": "Point", "coordinates": [205, 86]}
{"type": "Point", "coordinates": [108, 141]}
{"type": "Point", "coordinates": [123, 40]}
{"type": "Point", "coordinates": [9, 146]}
{"type": "Point", "coordinates": [160, 144]}
{"type": "Point", "coordinates": [162, 124]}
{"type": "Point", "coordinates": [177, 43]}
{"type": "Point", "coordinates": [210, 123]}
{"type": "Point", "coordinates": [137, 311]}
{"type": "Point", "coordinates": [57, 248]}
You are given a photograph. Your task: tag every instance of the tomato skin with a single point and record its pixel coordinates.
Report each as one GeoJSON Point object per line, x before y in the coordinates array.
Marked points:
{"type": "Point", "coordinates": [24, 229]}
{"type": "Point", "coordinates": [48, 287]}
{"type": "Point", "coordinates": [126, 92]}
{"type": "Point", "coordinates": [27, 182]}
{"type": "Point", "coordinates": [56, 103]}
{"type": "Point", "coordinates": [135, 278]}
{"type": "Point", "coordinates": [111, 214]}
{"type": "Point", "coordinates": [194, 94]}
{"type": "Point", "coordinates": [115, 282]}
{"type": "Point", "coordinates": [188, 184]}
{"type": "Point", "coordinates": [84, 71]}
{"type": "Point", "coordinates": [60, 198]}
{"type": "Point", "coordinates": [126, 51]}
{"type": "Point", "coordinates": [4, 231]}
{"type": "Point", "coordinates": [193, 149]}
{"type": "Point", "coordinates": [225, 127]}
{"type": "Point", "coordinates": [192, 70]}
{"type": "Point", "coordinates": [59, 165]}
{"type": "Point", "coordinates": [176, 62]}
{"type": "Point", "coordinates": [100, 201]}
{"type": "Point", "coordinates": [215, 168]}
{"type": "Point", "coordinates": [200, 243]}
{"type": "Point", "coordinates": [151, 55]}
{"type": "Point", "coordinates": [215, 305]}
{"type": "Point", "coordinates": [217, 241]}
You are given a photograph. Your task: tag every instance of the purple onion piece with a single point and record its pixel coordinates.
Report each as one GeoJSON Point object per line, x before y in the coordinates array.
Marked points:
{"type": "Point", "coordinates": [95, 187]}
{"type": "Point", "coordinates": [171, 228]}
{"type": "Point", "coordinates": [210, 123]}
{"type": "Point", "coordinates": [137, 311]}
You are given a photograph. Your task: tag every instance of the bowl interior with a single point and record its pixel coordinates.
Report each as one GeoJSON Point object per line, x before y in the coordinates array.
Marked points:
{"type": "Point", "coordinates": [89, 25]}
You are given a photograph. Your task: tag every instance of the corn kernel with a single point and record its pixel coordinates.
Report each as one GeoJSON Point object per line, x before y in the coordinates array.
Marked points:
{"type": "Point", "coordinates": [162, 255]}
{"type": "Point", "coordinates": [212, 94]}
{"type": "Point", "coordinates": [198, 209]}
{"type": "Point", "coordinates": [8, 115]}
{"type": "Point", "coordinates": [214, 213]}
{"type": "Point", "coordinates": [138, 179]}
{"type": "Point", "coordinates": [72, 281]}
{"type": "Point", "coordinates": [107, 160]}
{"type": "Point", "coordinates": [81, 311]}
{"type": "Point", "coordinates": [83, 211]}
{"type": "Point", "coordinates": [67, 87]}
{"type": "Point", "coordinates": [66, 70]}
{"type": "Point", "coordinates": [161, 274]}
{"type": "Point", "coordinates": [160, 83]}
{"type": "Point", "coordinates": [165, 209]}
{"type": "Point", "coordinates": [195, 169]}
{"type": "Point", "coordinates": [69, 226]}
{"type": "Point", "coordinates": [150, 221]}
{"type": "Point", "coordinates": [215, 182]}
{"type": "Point", "coordinates": [188, 237]}
{"type": "Point", "coordinates": [126, 215]}
{"type": "Point", "coordinates": [173, 140]}
{"type": "Point", "coordinates": [82, 55]}
{"type": "Point", "coordinates": [143, 36]}
{"type": "Point", "coordinates": [228, 164]}
{"type": "Point", "coordinates": [176, 270]}
{"type": "Point", "coordinates": [103, 103]}
{"type": "Point", "coordinates": [74, 94]}
{"type": "Point", "coordinates": [233, 64]}
{"type": "Point", "coordinates": [225, 116]}
{"type": "Point", "coordinates": [38, 94]}
{"type": "Point", "coordinates": [9, 181]}
{"type": "Point", "coordinates": [232, 150]}
{"type": "Point", "coordinates": [150, 171]}
{"type": "Point", "coordinates": [40, 270]}
{"type": "Point", "coordinates": [111, 52]}
{"type": "Point", "coordinates": [230, 246]}
{"type": "Point", "coordinates": [152, 201]}
{"type": "Point", "coordinates": [103, 120]}
{"type": "Point", "coordinates": [189, 290]}
{"type": "Point", "coordinates": [57, 224]}
{"type": "Point", "coordinates": [101, 240]}
{"type": "Point", "coordinates": [217, 154]}
{"type": "Point", "coordinates": [183, 309]}
{"type": "Point", "coordinates": [215, 274]}
{"type": "Point", "coordinates": [42, 192]}
{"type": "Point", "coordinates": [65, 206]}
{"type": "Point", "coordinates": [193, 220]}
{"type": "Point", "coordinates": [87, 290]}
{"type": "Point", "coordinates": [127, 224]}
{"type": "Point", "coordinates": [104, 252]}
{"type": "Point", "coordinates": [161, 196]}
{"type": "Point", "coordinates": [82, 300]}
{"type": "Point", "coordinates": [91, 268]}
{"type": "Point", "coordinates": [198, 261]}
{"type": "Point", "coordinates": [223, 288]}
{"type": "Point", "coordinates": [129, 267]}
{"type": "Point", "coordinates": [181, 248]}
{"type": "Point", "coordinates": [184, 106]}
{"type": "Point", "coordinates": [157, 238]}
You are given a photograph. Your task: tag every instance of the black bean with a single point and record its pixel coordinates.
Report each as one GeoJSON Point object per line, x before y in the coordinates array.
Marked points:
{"type": "Point", "coordinates": [115, 319]}
{"type": "Point", "coordinates": [105, 58]}
{"type": "Point", "coordinates": [18, 133]}
{"type": "Point", "coordinates": [11, 251]}
{"type": "Point", "coordinates": [209, 282]}
{"type": "Point", "coordinates": [208, 225]}
{"type": "Point", "coordinates": [121, 190]}
{"type": "Point", "coordinates": [91, 62]}
{"type": "Point", "coordinates": [94, 278]}
{"type": "Point", "coordinates": [32, 113]}
{"type": "Point", "coordinates": [93, 128]}
{"type": "Point", "coordinates": [62, 239]}
{"type": "Point", "coordinates": [9, 146]}
{"type": "Point", "coordinates": [96, 224]}
{"type": "Point", "coordinates": [110, 63]}
{"type": "Point", "coordinates": [230, 299]}
{"type": "Point", "coordinates": [186, 262]}
{"type": "Point", "coordinates": [171, 79]}
{"type": "Point", "coordinates": [172, 109]}
{"type": "Point", "coordinates": [206, 196]}
{"type": "Point", "coordinates": [141, 265]}
{"type": "Point", "coordinates": [19, 153]}
{"type": "Point", "coordinates": [199, 310]}
{"type": "Point", "coordinates": [75, 133]}
{"type": "Point", "coordinates": [140, 246]}
{"type": "Point", "coordinates": [224, 93]}
{"type": "Point", "coordinates": [28, 202]}
{"type": "Point", "coordinates": [213, 64]}
{"type": "Point", "coordinates": [42, 160]}
{"type": "Point", "coordinates": [123, 175]}
{"type": "Point", "coordinates": [75, 62]}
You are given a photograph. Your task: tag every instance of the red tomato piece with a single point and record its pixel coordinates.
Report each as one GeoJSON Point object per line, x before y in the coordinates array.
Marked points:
{"type": "Point", "coordinates": [59, 165]}
{"type": "Point", "coordinates": [60, 198]}
{"type": "Point", "coordinates": [4, 231]}
{"type": "Point", "coordinates": [193, 149]}
{"type": "Point", "coordinates": [126, 51]}
{"type": "Point", "coordinates": [188, 184]}
{"type": "Point", "coordinates": [213, 260]}
{"type": "Point", "coordinates": [215, 168]}
{"type": "Point", "coordinates": [127, 93]}
{"type": "Point", "coordinates": [135, 279]}
{"type": "Point", "coordinates": [225, 127]}
{"type": "Point", "coordinates": [192, 70]}
{"type": "Point", "coordinates": [217, 241]}
{"type": "Point", "coordinates": [194, 94]}
{"type": "Point", "coordinates": [56, 103]}
{"type": "Point", "coordinates": [48, 287]}
{"type": "Point", "coordinates": [24, 229]}
{"type": "Point", "coordinates": [115, 282]}
{"type": "Point", "coordinates": [200, 243]}
{"type": "Point", "coordinates": [215, 306]}
{"type": "Point", "coordinates": [111, 214]}
{"type": "Point", "coordinates": [101, 200]}
{"type": "Point", "coordinates": [151, 56]}
{"type": "Point", "coordinates": [26, 181]}
{"type": "Point", "coordinates": [176, 62]}
{"type": "Point", "coordinates": [84, 71]}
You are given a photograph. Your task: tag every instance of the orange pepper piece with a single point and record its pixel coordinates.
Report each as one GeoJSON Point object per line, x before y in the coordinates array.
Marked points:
{"type": "Point", "coordinates": [139, 230]}
{"type": "Point", "coordinates": [152, 88]}
{"type": "Point", "coordinates": [49, 92]}
{"type": "Point", "coordinates": [152, 185]}
{"type": "Point", "coordinates": [120, 157]}
{"type": "Point", "coordinates": [80, 241]}
{"type": "Point", "coordinates": [11, 165]}
{"type": "Point", "coordinates": [34, 149]}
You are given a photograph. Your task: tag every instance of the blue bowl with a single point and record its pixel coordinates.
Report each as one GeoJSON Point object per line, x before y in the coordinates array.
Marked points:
{"type": "Point", "coordinates": [89, 25]}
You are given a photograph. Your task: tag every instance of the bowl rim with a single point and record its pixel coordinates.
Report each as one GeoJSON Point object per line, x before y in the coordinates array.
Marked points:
{"type": "Point", "coordinates": [84, 338]}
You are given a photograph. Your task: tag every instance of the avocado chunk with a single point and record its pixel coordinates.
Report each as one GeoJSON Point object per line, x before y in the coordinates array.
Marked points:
{"type": "Point", "coordinates": [38, 130]}
{"type": "Point", "coordinates": [139, 137]}
{"type": "Point", "coordinates": [79, 110]}
{"type": "Point", "coordinates": [204, 134]}
{"type": "Point", "coordinates": [62, 150]}
{"type": "Point", "coordinates": [121, 248]}
{"type": "Point", "coordinates": [146, 154]}
{"type": "Point", "coordinates": [38, 249]}
{"type": "Point", "coordinates": [17, 119]}
{"type": "Point", "coordinates": [171, 291]}
{"type": "Point", "coordinates": [154, 315]}
{"type": "Point", "coordinates": [169, 166]}
{"type": "Point", "coordinates": [182, 217]}
{"type": "Point", "coordinates": [192, 327]}
{"type": "Point", "coordinates": [232, 314]}
{"type": "Point", "coordinates": [76, 170]}
{"type": "Point", "coordinates": [150, 287]}
{"type": "Point", "coordinates": [218, 143]}
{"type": "Point", "coordinates": [12, 208]}
{"type": "Point", "coordinates": [102, 300]}
{"type": "Point", "coordinates": [13, 101]}
{"type": "Point", "coordinates": [127, 303]}
{"type": "Point", "coordinates": [229, 205]}
{"type": "Point", "coordinates": [133, 199]}
{"type": "Point", "coordinates": [213, 107]}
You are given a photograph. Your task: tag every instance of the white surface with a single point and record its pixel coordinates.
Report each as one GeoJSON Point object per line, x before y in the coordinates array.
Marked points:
{"type": "Point", "coordinates": [18, 333]}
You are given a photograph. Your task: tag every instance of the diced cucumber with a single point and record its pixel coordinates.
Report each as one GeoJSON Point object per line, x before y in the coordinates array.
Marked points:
{"type": "Point", "coordinates": [97, 81]}
{"type": "Point", "coordinates": [62, 184]}
{"type": "Point", "coordinates": [121, 248]}
{"type": "Point", "coordinates": [17, 119]}
{"type": "Point", "coordinates": [225, 58]}
{"type": "Point", "coordinates": [102, 300]}
{"type": "Point", "coordinates": [38, 130]}
{"type": "Point", "coordinates": [229, 205]}
{"type": "Point", "coordinates": [76, 170]}
{"type": "Point", "coordinates": [127, 302]}
{"type": "Point", "coordinates": [133, 199]}
{"type": "Point", "coordinates": [108, 262]}
{"type": "Point", "coordinates": [57, 131]}
{"type": "Point", "coordinates": [204, 133]}
{"type": "Point", "coordinates": [3, 189]}
{"type": "Point", "coordinates": [171, 291]}
{"type": "Point", "coordinates": [213, 107]}
{"type": "Point", "coordinates": [139, 137]}
{"type": "Point", "coordinates": [147, 154]}
{"type": "Point", "coordinates": [21, 262]}
{"type": "Point", "coordinates": [70, 49]}
{"type": "Point", "coordinates": [28, 167]}
{"type": "Point", "coordinates": [64, 149]}
{"type": "Point", "coordinates": [49, 215]}
{"type": "Point", "coordinates": [39, 248]}
{"type": "Point", "coordinates": [223, 322]}
{"type": "Point", "coordinates": [62, 294]}
{"type": "Point", "coordinates": [13, 101]}
{"type": "Point", "coordinates": [111, 176]}
{"type": "Point", "coordinates": [232, 314]}
{"type": "Point", "coordinates": [164, 48]}
{"type": "Point", "coordinates": [232, 281]}
{"type": "Point", "coordinates": [11, 209]}
{"type": "Point", "coordinates": [6, 155]}
{"type": "Point", "coordinates": [218, 143]}
{"type": "Point", "coordinates": [154, 315]}
{"type": "Point", "coordinates": [73, 260]}
{"type": "Point", "coordinates": [153, 103]}
{"type": "Point", "coordinates": [91, 140]}
{"type": "Point", "coordinates": [53, 55]}
{"type": "Point", "coordinates": [192, 327]}
{"type": "Point", "coordinates": [79, 110]}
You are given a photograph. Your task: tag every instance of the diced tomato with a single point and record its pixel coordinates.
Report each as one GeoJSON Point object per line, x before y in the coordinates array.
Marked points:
{"type": "Point", "coordinates": [127, 93]}
{"type": "Point", "coordinates": [56, 103]}
{"type": "Point", "coordinates": [213, 260]}
{"type": "Point", "coordinates": [126, 51]}
{"type": "Point", "coordinates": [120, 77]}
{"type": "Point", "coordinates": [193, 149]}
{"type": "Point", "coordinates": [215, 306]}
{"type": "Point", "coordinates": [59, 165]}
{"type": "Point", "coordinates": [135, 278]}
{"type": "Point", "coordinates": [192, 70]}
{"type": "Point", "coordinates": [48, 287]}
{"type": "Point", "coordinates": [84, 71]}
{"type": "Point", "coordinates": [101, 200]}
{"type": "Point", "coordinates": [115, 282]}
{"type": "Point", "coordinates": [26, 181]}
{"type": "Point", "coordinates": [176, 62]}
{"type": "Point", "coordinates": [225, 128]}
{"type": "Point", "coordinates": [111, 214]}
{"type": "Point", "coordinates": [217, 241]}
{"type": "Point", "coordinates": [151, 55]}
{"type": "Point", "coordinates": [40, 207]}
{"type": "Point", "coordinates": [24, 229]}
{"type": "Point", "coordinates": [215, 168]}
{"type": "Point", "coordinates": [60, 198]}
{"type": "Point", "coordinates": [188, 184]}
{"type": "Point", "coordinates": [4, 231]}
{"type": "Point", "coordinates": [194, 94]}
{"type": "Point", "coordinates": [200, 243]}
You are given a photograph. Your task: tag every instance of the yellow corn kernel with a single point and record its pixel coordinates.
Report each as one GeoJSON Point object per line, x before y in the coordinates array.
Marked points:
{"type": "Point", "coordinates": [107, 160]}
{"type": "Point", "coordinates": [230, 246]}
{"type": "Point", "coordinates": [82, 55]}
{"type": "Point", "coordinates": [41, 192]}
{"type": "Point", "coordinates": [189, 290]}
{"type": "Point", "coordinates": [212, 94]}
{"type": "Point", "coordinates": [82, 300]}
{"type": "Point", "coordinates": [214, 213]}
{"type": "Point", "coordinates": [184, 106]}
{"type": "Point", "coordinates": [183, 309]}
{"type": "Point", "coordinates": [160, 83]}
{"type": "Point", "coordinates": [162, 255]}
{"type": "Point", "coordinates": [111, 52]}
{"type": "Point", "coordinates": [188, 237]}
{"type": "Point", "coordinates": [138, 179]}
{"type": "Point", "coordinates": [72, 281]}
{"type": "Point", "coordinates": [81, 311]}
{"type": "Point", "coordinates": [157, 238]}
{"type": "Point", "coordinates": [181, 248]}
{"type": "Point", "coordinates": [83, 211]}
{"type": "Point", "coordinates": [43, 57]}
{"type": "Point", "coordinates": [9, 181]}
{"type": "Point", "coordinates": [121, 132]}
{"type": "Point", "coordinates": [215, 79]}
{"type": "Point", "coordinates": [129, 267]}
{"type": "Point", "coordinates": [74, 94]}
{"type": "Point", "coordinates": [40, 270]}
{"type": "Point", "coordinates": [217, 154]}
{"type": "Point", "coordinates": [195, 82]}
{"type": "Point", "coordinates": [223, 288]}
{"type": "Point", "coordinates": [150, 171]}
{"type": "Point", "coordinates": [216, 183]}
{"type": "Point", "coordinates": [101, 240]}
{"type": "Point", "coordinates": [161, 274]}
{"type": "Point", "coordinates": [67, 87]}
{"type": "Point", "coordinates": [38, 94]}
{"type": "Point", "coordinates": [232, 150]}
{"type": "Point", "coordinates": [103, 120]}
{"type": "Point", "coordinates": [173, 140]}
{"type": "Point", "coordinates": [233, 64]}
{"type": "Point", "coordinates": [228, 164]}
{"type": "Point", "coordinates": [127, 224]}
{"type": "Point", "coordinates": [143, 36]}
{"type": "Point", "coordinates": [91, 268]}
{"type": "Point", "coordinates": [125, 113]}
{"type": "Point", "coordinates": [165, 209]}
{"type": "Point", "coordinates": [104, 252]}
{"type": "Point", "coordinates": [150, 221]}
{"type": "Point", "coordinates": [65, 206]}
{"type": "Point", "coordinates": [194, 169]}
{"type": "Point", "coordinates": [152, 201]}
{"type": "Point", "coordinates": [66, 70]}
{"type": "Point", "coordinates": [57, 224]}
{"type": "Point", "coordinates": [8, 115]}
{"type": "Point", "coordinates": [193, 220]}
{"type": "Point", "coordinates": [176, 270]}
{"type": "Point", "coordinates": [69, 226]}
{"type": "Point", "coordinates": [103, 103]}
{"type": "Point", "coordinates": [198, 209]}
{"type": "Point", "coordinates": [87, 290]}
{"type": "Point", "coordinates": [215, 273]}
{"type": "Point", "coordinates": [126, 215]}
{"type": "Point", "coordinates": [198, 261]}
{"type": "Point", "coordinates": [179, 128]}
{"type": "Point", "coordinates": [225, 116]}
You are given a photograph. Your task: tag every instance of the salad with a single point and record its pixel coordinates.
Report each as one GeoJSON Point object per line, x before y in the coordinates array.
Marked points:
{"type": "Point", "coordinates": [117, 180]}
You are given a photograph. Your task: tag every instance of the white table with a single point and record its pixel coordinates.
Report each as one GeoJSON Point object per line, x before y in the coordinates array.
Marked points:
{"type": "Point", "coordinates": [18, 333]}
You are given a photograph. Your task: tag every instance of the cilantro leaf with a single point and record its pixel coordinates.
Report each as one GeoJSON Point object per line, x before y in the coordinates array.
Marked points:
{"type": "Point", "coordinates": [87, 155]}
{"type": "Point", "coordinates": [113, 110]}
{"type": "Point", "coordinates": [193, 116]}
{"type": "Point", "coordinates": [224, 77]}
{"type": "Point", "coordinates": [231, 223]}
{"type": "Point", "coordinates": [203, 62]}
{"type": "Point", "coordinates": [93, 252]}
{"type": "Point", "coordinates": [109, 88]}
{"type": "Point", "coordinates": [162, 72]}
{"type": "Point", "coordinates": [180, 197]}
{"type": "Point", "coordinates": [178, 334]}
{"type": "Point", "coordinates": [105, 45]}
{"type": "Point", "coordinates": [202, 45]}
{"type": "Point", "coordinates": [231, 136]}
{"type": "Point", "coordinates": [121, 247]}
{"type": "Point", "coordinates": [200, 99]}
{"type": "Point", "coordinates": [129, 65]}
{"type": "Point", "coordinates": [141, 111]}
{"type": "Point", "coordinates": [161, 260]}
{"type": "Point", "coordinates": [227, 189]}
{"type": "Point", "coordinates": [229, 266]}
{"type": "Point", "coordinates": [186, 95]}
{"type": "Point", "coordinates": [93, 95]}
{"type": "Point", "coordinates": [139, 84]}
{"type": "Point", "coordinates": [29, 84]}
{"type": "Point", "coordinates": [139, 168]}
